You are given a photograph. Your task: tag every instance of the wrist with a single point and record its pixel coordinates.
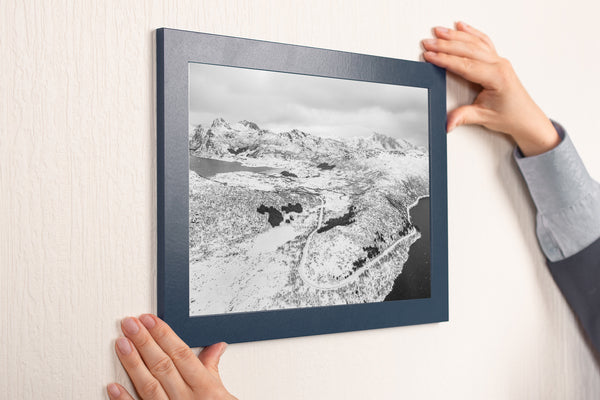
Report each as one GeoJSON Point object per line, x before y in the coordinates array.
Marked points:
{"type": "Point", "coordinates": [538, 138]}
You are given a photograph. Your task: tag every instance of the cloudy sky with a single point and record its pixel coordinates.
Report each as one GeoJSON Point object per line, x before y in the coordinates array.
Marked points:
{"type": "Point", "coordinates": [320, 106]}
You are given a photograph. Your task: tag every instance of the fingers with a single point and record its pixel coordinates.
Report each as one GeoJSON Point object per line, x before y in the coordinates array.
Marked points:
{"type": "Point", "coordinates": [454, 35]}
{"type": "Point", "coordinates": [458, 48]}
{"type": "Point", "coordinates": [116, 391]}
{"type": "Point", "coordinates": [145, 383]}
{"type": "Point", "coordinates": [157, 363]}
{"type": "Point", "coordinates": [461, 26]}
{"type": "Point", "coordinates": [465, 33]}
{"type": "Point", "coordinates": [188, 365]}
{"type": "Point", "coordinates": [211, 355]}
{"type": "Point", "coordinates": [162, 366]}
{"type": "Point", "coordinates": [466, 52]}
{"type": "Point", "coordinates": [470, 69]}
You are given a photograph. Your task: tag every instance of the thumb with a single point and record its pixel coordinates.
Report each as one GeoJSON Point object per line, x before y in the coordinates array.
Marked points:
{"type": "Point", "coordinates": [464, 115]}
{"type": "Point", "coordinates": [211, 355]}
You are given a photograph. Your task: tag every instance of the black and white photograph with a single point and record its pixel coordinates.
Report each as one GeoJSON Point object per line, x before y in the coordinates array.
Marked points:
{"type": "Point", "coordinates": [305, 191]}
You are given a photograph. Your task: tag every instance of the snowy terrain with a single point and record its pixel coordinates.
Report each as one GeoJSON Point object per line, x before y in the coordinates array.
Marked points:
{"type": "Point", "coordinates": [325, 223]}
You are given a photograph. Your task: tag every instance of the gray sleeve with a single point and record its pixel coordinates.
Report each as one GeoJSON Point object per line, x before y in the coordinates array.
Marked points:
{"type": "Point", "coordinates": [568, 227]}
{"type": "Point", "coordinates": [566, 197]}
{"type": "Point", "coordinates": [578, 278]}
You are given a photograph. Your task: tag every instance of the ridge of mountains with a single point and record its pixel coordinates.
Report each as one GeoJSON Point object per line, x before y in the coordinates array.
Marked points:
{"type": "Point", "coordinates": [245, 139]}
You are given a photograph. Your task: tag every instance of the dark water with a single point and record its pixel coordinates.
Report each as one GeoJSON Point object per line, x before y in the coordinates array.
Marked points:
{"type": "Point", "coordinates": [208, 167]}
{"type": "Point", "coordinates": [415, 280]}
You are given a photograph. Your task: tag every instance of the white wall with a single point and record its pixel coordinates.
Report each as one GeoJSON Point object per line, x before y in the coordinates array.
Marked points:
{"type": "Point", "coordinates": [77, 202]}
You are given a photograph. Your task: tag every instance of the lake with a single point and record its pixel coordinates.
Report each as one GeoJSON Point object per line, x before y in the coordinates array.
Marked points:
{"type": "Point", "coordinates": [208, 167]}
{"type": "Point", "coordinates": [415, 280]}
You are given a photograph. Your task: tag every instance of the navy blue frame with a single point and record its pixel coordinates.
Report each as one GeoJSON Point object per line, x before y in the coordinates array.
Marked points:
{"type": "Point", "coordinates": [174, 50]}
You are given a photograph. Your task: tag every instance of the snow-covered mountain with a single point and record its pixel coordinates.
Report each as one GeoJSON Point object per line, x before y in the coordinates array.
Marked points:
{"type": "Point", "coordinates": [247, 140]}
{"type": "Point", "coordinates": [378, 141]}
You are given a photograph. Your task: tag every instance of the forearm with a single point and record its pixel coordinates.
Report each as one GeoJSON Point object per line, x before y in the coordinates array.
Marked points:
{"type": "Point", "coordinates": [539, 135]}
{"type": "Point", "coordinates": [568, 226]}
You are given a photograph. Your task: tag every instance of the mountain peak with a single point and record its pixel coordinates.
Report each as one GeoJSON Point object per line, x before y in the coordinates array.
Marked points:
{"type": "Point", "coordinates": [387, 142]}
{"type": "Point", "coordinates": [250, 124]}
{"type": "Point", "coordinates": [298, 132]}
{"type": "Point", "coordinates": [379, 136]}
{"type": "Point", "coordinates": [219, 122]}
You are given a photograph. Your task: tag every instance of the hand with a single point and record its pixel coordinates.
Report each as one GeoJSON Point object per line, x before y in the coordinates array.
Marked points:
{"type": "Point", "coordinates": [503, 104]}
{"type": "Point", "coordinates": [162, 366]}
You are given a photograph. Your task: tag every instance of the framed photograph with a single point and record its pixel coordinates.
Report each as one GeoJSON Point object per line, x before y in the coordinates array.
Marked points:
{"type": "Point", "coordinates": [301, 191]}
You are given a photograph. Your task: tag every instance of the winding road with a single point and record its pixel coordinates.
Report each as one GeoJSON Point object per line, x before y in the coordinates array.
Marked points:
{"type": "Point", "coordinates": [302, 268]}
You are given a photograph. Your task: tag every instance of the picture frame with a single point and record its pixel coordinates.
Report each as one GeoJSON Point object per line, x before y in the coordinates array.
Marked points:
{"type": "Point", "coordinates": [175, 50]}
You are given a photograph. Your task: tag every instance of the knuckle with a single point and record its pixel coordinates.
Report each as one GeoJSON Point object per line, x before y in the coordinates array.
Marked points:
{"type": "Point", "coordinates": [504, 70]}
{"type": "Point", "coordinates": [144, 341]}
{"type": "Point", "coordinates": [150, 389]}
{"type": "Point", "coordinates": [467, 64]}
{"type": "Point", "coordinates": [471, 51]}
{"type": "Point", "coordinates": [182, 354]}
{"type": "Point", "coordinates": [443, 59]}
{"type": "Point", "coordinates": [504, 63]}
{"type": "Point", "coordinates": [441, 44]}
{"type": "Point", "coordinates": [215, 369]}
{"type": "Point", "coordinates": [136, 363]}
{"type": "Point", "coordinates": [162, 366]}
{"type": "Point", "coordinates": [161, 332]}
{"type": "Point", "coordinates": [453, 48]}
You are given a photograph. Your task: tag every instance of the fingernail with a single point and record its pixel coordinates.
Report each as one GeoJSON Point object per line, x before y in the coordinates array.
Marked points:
{"type": "Point", "coordinates": [430, 53]}
{"type": "Point", "coordinates": [130, 326]}
{"type": "Point", "coordinates": [148, 321]}
{"type": "Point", "coordinates": [442, 29]}
{"type": "Point", "coordinates": [123, 345]}
{"type": "Point", "coordinates": [113, 390]}
{"type": "Point", "coordinates": [429, 41]}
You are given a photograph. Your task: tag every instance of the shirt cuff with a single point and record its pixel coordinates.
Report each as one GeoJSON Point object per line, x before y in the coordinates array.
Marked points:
{"type": "Point", "coordinates": [566, 197]}
{"type": "Point", "coordinates": [557, 178]}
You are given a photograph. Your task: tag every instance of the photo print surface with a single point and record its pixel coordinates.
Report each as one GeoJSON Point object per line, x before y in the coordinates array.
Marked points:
{"type": "Point", "coordinates": [305, 191]}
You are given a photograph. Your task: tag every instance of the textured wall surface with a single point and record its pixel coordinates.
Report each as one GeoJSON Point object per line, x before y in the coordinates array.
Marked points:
{"type": "Point", "coordinates": [77, 202]}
